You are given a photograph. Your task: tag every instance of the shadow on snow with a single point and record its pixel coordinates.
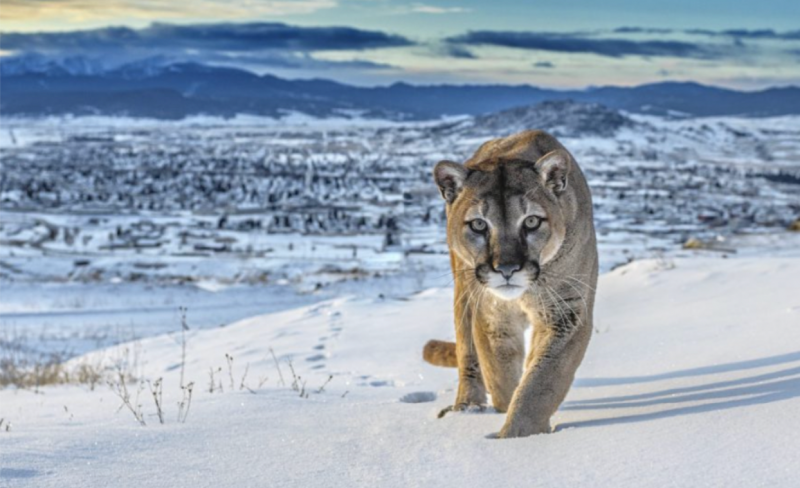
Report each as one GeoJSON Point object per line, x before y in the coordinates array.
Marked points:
{"type": "Point", "coordinates": [717, 395]}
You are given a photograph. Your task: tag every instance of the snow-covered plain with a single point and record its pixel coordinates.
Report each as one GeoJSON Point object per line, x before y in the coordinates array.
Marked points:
{"type": "Point", "coordinates": [692, 379]}
{"type": "Point", "coordinates": [108, 225]}
{"type": "Point", "coordinates": [102, 199]}
{"type": "Point", "coordinates": [322, 242]}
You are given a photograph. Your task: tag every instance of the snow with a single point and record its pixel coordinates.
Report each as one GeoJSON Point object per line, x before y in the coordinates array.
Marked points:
{"type": "Point", "coordinates": [692, 378]}
{"type": "Point", "coordinates": [311, 202]}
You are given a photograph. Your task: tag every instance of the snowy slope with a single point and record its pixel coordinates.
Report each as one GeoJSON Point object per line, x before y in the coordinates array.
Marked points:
{"type": "Point", "coordinates": [692, 379]}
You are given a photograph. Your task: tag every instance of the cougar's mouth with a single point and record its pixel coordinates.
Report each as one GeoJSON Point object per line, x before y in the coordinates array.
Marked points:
{"type": "Point", "coordinates": [507, 291]}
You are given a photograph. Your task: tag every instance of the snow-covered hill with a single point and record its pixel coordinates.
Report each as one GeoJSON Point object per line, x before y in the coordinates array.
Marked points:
{"type": "Point", "coordinates": [562, 118]}
{"type": "Point", "coordinates": [692, 378]}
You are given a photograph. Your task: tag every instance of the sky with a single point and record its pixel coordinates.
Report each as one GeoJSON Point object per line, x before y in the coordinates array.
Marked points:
{"type": "Point", "coordinates": [554, 44]}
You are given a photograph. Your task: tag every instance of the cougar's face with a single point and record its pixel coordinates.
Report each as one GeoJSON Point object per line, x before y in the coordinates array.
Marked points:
{"type": "Point", "coordinates": [504, 224]}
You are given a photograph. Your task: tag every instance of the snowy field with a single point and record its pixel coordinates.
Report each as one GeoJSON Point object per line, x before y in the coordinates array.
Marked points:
{"type": "Point", "coordinates": [108, 225]}
{"type": "Point", "coordinates": [692, 379]}
{"type": "Point", "coordinates": [311, 259]}
{"type": "Point", "coordinates": [310, 202]}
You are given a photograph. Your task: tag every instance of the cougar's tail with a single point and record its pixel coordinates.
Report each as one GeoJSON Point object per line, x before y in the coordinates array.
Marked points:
{"type": "Point", "coordinates": [440, 353]}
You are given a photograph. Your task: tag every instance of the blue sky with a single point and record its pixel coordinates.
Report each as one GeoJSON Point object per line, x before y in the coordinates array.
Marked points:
{"type": "Point", "coordinates": [548, 43]}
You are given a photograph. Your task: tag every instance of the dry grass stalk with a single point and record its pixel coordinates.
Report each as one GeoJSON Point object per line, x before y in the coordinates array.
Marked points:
{"type": "Point", "coordinates": [120, 388]}
{"type": "Point", "coordinates": [322, 388]}
{"type": "Point", "coordinates": [184, 328]}
{"type": "Point", "coordinates": [185, 403]}
{"type": "Point", "coordinates": [277, 366]}
{"type": "Point", "coordinates": [157, 390]}
{"type": "Point", "coordinates": [229, 360]}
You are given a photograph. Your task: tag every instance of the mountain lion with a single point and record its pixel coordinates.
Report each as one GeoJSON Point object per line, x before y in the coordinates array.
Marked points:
{"type": "Point", "coordinates": [523, 251]}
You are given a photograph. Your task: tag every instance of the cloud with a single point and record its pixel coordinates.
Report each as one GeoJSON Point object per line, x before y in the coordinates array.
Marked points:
{"type": "Point", "coordinates": [227, 37]}
{"type": "Point", "coordinates": [455, 51]}
{"type": "Point", "coordinates": [733, 33]}
{"type": "Point", "coordinates": [748, 34]}
{"type": "Point", "coordinates": [80, 11]}
{"type": "Point", "coordinates": [575, 43]}
{"type": "Point", "coordinates": [254, 46]}
{"type": "Point", "coordinates": [430, 9]}
{"type": "Point", "coordinates": [544, 64]}
{"type": "Point", "coordinates": [285, 60]}
{"type": "Point", "coordinates": [641, 30]}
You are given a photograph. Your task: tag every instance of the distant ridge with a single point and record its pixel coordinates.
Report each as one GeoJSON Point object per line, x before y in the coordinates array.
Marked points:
{"type": "Point", "coordinates": [562, 118]}
{"type": "Point", "coordinates": [36, 86]}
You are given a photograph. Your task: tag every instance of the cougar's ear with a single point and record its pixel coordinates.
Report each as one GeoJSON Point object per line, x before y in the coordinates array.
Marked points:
{"type": "Point", "coordinates": [554, 169]}
{"type": "Point", "coordinates": [449, 178]}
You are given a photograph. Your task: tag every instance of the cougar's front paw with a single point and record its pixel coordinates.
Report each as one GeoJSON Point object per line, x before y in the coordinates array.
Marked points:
{"type": "Point", "coordinates": [460, 407]}
{"type": "Point", "coordinates": [520, 428]}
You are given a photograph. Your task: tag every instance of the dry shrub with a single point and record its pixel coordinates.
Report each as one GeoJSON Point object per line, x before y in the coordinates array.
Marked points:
{"type": "Point", "coordinates": [27, 368]}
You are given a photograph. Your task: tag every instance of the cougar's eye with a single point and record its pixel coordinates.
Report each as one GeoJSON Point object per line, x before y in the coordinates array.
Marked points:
{"type": "Point", "coordinates": [532, 222]}
{"type": "Point", "coordinates": [478, 226]}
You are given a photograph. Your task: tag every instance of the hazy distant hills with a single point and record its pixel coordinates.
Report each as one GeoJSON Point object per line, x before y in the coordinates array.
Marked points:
{"type": "Point", "coordinates": [559, 117]}
{"type": "Point", "coordinates": [37, 87]}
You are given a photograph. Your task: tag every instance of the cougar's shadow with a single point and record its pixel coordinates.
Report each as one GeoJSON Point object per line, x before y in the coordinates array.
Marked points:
{"type": "Point", "coordinates": [754, 389]}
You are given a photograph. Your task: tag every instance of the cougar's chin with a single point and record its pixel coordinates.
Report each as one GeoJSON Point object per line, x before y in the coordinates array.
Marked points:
{"type": "Point", "coordinates": [507, 292]}
{"type": "Point", "coordinates": [508, 289]}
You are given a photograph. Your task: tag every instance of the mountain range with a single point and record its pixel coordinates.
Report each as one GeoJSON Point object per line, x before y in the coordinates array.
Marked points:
{"type": "Point", "coordinates": [156, 88]}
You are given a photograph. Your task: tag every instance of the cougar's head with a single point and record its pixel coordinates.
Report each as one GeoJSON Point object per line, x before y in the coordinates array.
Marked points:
{"type": "Point", "coordinates": [505, 219]}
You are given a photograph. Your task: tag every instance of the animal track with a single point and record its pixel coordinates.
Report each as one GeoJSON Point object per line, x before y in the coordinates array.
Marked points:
{"type": "Point", "coordinates": [317, 309]}
{"type": "Point", "coordinates": [377, 383]}
{"type": "Point", "coordinates": [418, 397]}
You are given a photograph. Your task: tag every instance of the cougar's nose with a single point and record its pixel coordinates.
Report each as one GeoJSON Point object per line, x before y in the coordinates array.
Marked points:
{"type": "Point", "coordinates": [507, 269]}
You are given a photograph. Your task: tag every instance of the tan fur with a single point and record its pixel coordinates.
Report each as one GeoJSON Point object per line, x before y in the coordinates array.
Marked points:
{"type": "Point", "coordinates": [440, 353]}
{"type": "Point", "coordinates": [522, 251]}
